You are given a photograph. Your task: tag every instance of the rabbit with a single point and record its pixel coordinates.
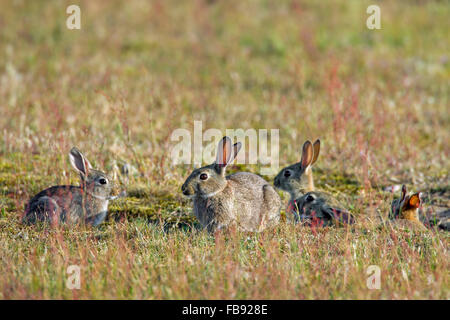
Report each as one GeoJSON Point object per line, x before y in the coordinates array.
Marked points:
{"type": "Point", "coordinates": [320, 209]}
{"type": "Point", "coordinates": [405, 210]}
{"type": "Point", "coordinates": [84, 204]}
{"type": "Point", "coordinates": [297, 179]}
{"type": "Point", "coordinates": [243, 199]}
{"type": "Point", "coordinates": [306, 203]}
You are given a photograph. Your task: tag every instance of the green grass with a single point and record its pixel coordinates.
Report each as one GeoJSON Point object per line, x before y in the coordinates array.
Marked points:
{"type": "Point", "coordinates": [136, 71]}
{"type": "Point", "coordinates": [141, 260]}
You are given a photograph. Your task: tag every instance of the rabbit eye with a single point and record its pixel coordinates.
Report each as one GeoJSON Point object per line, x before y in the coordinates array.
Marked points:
{"type": "Point", "coordinates": [203, 176]}
{"type": "Point", "coordinates": [287, 174]}
{"type": "Point", "coordinates": [309, 198]}
{"type": "Point", "coordinates": [103, 181]}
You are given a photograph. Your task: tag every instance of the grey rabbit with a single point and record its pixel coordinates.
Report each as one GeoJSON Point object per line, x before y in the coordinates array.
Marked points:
{"type": "Point", "coordinates": [320, 209]}
{"type": "Point", "coordinates": [242, 199]}
{"type": "Point", "coordinates": [297, 179]}
{"type": "Point", "coordinates": [84, 204]}
{"type": "Point", "coordinates": [307, 204]}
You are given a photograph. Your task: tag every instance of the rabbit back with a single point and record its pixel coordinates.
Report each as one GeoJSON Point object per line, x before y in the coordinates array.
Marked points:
{"type": "Point", "coordinates": [55, 204]}
{"type": "Point", "coordinates": [256, 204]}
{"type": "Point", "coordinates": [64, 204]}
{"type": "Point", "coordinates": [320, 209]}
{"type": "Point", "coordinates": [247, 202]}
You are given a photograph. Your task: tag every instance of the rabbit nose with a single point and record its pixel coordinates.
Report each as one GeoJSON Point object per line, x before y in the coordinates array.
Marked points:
{"type": "Point", "coordinates": [184, 190]}
{"type": "Point", "coordinates": [276, 182]}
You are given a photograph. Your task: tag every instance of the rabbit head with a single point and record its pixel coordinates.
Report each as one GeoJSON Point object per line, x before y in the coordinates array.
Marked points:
{"type": "Point", "coordinates": [406, 207]}
{"type": "Point", "coordinates": [297, 178]}
{"type": "Point", "coordinates": [316, 208]}
{"type": "Point", "coordinates": [210, 180]}
{"type": "Point", "coordinates": [93, 181]}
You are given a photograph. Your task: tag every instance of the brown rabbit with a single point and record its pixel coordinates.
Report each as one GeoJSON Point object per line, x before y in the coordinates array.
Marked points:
{"type": "Point", "coordinates": [87, 203]}
{"type": "Point", "coordinates": [297, 179]}
{"type": "Point", "coordinates": [307, 204]}
{"type": "Point", "coordinates": [320, 209]}
{"type": "Point", "coordinates": [405, 210]}
{"type": "Point", "coordinates": [242, 199]}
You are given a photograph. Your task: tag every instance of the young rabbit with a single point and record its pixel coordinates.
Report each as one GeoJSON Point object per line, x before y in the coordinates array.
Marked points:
{"type": "Point", "coordinates": [297, 179]}
{"type": "Point", "coordinates": [320, 209]}
{"type": "Point", "coordinates": [242, 199]}
{"type": "Point", "coordinates": [87, 203]}
{"type": "Point", "coordinates": [306, 203]}
{"type": "Point", "coordinates": [405, 210]}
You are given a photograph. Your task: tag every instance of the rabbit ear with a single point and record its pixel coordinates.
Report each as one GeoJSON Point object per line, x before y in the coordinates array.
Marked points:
{"type": "Point", "coordinates": [414, 200]}
{"type": "Point", "coordinates": [225, 151]}
{"type": "Point", "coordinates": [236, 147]}
{"type": "Point", "coordinates": [316, 148]}
{"type": "Point", "coordinates": [307, 154]}
{"type": "Point", "coordinates": [403, 193]}
{"type": "Point", "coordinates": [79, 162]}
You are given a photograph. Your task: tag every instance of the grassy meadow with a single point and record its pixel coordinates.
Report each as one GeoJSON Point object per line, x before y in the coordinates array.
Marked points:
{"type": "Point", "coordinates": [138, 70]}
